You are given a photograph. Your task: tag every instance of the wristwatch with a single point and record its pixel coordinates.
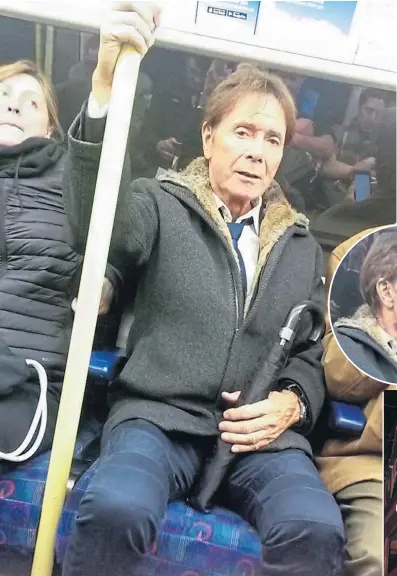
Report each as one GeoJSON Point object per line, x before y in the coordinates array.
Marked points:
{"type": "Point", "coordinates": [301, 400]}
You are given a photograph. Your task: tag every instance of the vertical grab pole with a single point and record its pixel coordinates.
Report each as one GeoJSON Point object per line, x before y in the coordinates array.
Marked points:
{"type": "Point", "coordinates": [49, 51]}
{"type": "Point", "coordinates": [101, 226]}
{"type": "Point", "coordinates": [39, 45]}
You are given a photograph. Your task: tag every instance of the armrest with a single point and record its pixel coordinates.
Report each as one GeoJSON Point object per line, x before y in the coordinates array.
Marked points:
{"type": "Point", "coordinates": [346, 418]}
{"type": "Point", "coordinates": [106, 365]}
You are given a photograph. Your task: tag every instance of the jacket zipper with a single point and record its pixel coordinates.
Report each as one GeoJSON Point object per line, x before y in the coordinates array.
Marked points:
{"type": "Point", "coordinates": [267, 271]}
{"type": "Point", "coordinates": [236, 303]}
{"type": "Point", "coordinates": [230, 256]}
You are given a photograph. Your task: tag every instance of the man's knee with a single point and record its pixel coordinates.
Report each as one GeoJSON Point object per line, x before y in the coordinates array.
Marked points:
{"type": "Point", "coordinates": [318, 535]}
{"type": "Point", "coordinates": [108, 514]}
{"type": "Point", "coordinates": [306, 543]}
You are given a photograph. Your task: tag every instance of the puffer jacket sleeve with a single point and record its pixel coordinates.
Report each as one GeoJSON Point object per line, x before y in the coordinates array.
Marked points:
{"type": "Point", "coordinates": [344, 381]}
{"type": "Point", "coordinates": [136, 221]}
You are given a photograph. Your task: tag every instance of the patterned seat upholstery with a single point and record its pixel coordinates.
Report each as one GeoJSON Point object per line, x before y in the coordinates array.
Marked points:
{"type": "Point", "coordinates": [189, 544]}
{"type": "Point", "coordinates": [21, 495]}
{"type": "Point", "coordinates": [22, 490]}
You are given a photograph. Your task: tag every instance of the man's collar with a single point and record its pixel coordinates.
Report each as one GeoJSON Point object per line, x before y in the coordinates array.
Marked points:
{"type": "Point", "coordinates": [254, 212]}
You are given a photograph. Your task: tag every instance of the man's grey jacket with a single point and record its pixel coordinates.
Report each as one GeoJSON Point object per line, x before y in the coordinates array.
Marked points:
{"type": "Point", "coordinates": [192, 336]}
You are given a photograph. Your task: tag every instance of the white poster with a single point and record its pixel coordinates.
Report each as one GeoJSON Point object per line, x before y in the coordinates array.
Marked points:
{"type": "Point", "coordinates": [314, 28]}
{"type": "Point", "coordinates": [228, 20]}
{"type": "Point", "coordinates": [377, 44]}
{"type": "Point", "coordinates": [179, 15]}
{"type": "Point", "coordinates": [358, 32]}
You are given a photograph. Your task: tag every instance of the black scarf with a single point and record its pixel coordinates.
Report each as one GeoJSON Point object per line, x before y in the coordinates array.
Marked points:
{"type": "Point", "coordinates": [29, 159]}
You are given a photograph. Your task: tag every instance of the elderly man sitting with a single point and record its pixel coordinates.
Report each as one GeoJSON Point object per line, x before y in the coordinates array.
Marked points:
{"type": "Point", "coordinates": [221, 258]}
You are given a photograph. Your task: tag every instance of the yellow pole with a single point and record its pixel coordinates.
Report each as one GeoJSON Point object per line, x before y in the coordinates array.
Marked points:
{"type": "Point", "coordinates": [106, 193]}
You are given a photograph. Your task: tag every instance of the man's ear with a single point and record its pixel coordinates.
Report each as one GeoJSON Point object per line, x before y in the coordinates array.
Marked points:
{"type": "Point", "coordinates": [383, 289]}
{"type": "Point", "coordinates": [207, 135]}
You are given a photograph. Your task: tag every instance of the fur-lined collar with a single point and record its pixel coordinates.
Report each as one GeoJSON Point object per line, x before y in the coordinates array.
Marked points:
{"type": "Point", "coordinates": [364, 320]}
{"type": "Point", "coordinates": [277, 214]}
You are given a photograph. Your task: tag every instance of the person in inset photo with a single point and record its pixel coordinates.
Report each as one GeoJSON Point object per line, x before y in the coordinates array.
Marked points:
{"type": "Point", "coordinates": [368, 334]}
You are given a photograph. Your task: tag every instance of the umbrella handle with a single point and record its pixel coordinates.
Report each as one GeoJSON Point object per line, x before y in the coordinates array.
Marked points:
{"type": "Point", "coordinates": [288, 331]}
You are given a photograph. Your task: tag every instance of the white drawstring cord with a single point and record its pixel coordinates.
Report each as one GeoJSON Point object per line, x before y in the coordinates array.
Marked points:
{"type": "Point", "coordinates": [40, 414]}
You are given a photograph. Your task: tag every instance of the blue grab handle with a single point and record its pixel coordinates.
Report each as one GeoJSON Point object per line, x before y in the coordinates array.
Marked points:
{"type": "Point", "coordinates": [105, 365]}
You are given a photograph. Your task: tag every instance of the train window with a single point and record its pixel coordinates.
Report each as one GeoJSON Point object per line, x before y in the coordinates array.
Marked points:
{"type": "Point", "coordinates": [337, 130]}
{"type": "Point", "coordinates": [18, 40]}
{"type": "Point", "coordinates": [66, 53]}
{"type": "Point", "coordinates": [169, 119]}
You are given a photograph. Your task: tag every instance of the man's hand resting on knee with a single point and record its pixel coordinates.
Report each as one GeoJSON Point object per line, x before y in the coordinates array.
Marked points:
{"type": "Point", "coordinates": [254, 426]}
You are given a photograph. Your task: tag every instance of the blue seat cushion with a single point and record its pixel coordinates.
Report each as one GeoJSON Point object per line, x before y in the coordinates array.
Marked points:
{"type": "Point", "coordinates": [22, 490]}
{"type": "Point", "coordinates": [189, 543]}
{"type": "Point", "coordinates": [21, 495]}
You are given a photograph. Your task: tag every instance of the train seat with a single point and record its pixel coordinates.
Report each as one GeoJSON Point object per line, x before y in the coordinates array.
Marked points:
{"type": "Point", "coordinates": [189, 543]}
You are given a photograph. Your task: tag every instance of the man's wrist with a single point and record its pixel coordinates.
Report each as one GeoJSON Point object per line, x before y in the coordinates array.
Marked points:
{"type": "Point", "coordinates": [295, 389]}
{"type": "Point", "coordinates": [100, 90]}
{"type": "Point", "coordinates": [297, 408]}
{"type": "Point", "coordinates": [94, 110]}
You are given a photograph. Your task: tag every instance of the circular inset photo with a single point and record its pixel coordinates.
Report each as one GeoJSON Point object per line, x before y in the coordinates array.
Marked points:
{"type": "Point", "coordinates": [363, 304]}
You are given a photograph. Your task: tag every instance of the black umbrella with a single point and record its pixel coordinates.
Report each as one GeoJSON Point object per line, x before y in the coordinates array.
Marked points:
{"type": "Point", "coordinates": [259, 389]}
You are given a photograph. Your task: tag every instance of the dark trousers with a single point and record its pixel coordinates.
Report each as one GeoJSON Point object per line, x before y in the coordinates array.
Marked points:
{"type": "Point", "coordinates": [141, 468]}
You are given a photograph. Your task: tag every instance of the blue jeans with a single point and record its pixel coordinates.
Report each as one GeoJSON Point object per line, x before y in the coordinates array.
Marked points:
{"type": "Point", "coordinates": [141, 468]}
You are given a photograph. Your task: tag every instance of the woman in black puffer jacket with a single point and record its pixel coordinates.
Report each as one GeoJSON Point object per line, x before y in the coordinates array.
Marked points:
{"type": "Point", "coordinates": [38, 269]}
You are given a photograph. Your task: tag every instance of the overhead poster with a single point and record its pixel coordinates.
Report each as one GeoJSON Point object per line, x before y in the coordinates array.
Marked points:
{"type": "Point", "coordinates": [231, 20]}
{"type": "Point", "coordinates": [314, 28]}
{"type": "Point", "coordinates": [360, 32]}
{"type": "Point", "coordinates": [377, 43]}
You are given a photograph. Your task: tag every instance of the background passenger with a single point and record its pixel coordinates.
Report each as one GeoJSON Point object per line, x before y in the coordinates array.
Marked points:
{"type": "Point", "coordinates": [75, 90]}
{"type": "Point", "coordinates": [170, 132]}
{"type": "Point", "coordinates": [38, 269]}
{"type": "Point", "coordinates": [369, 337]}
{"type": "Point", "coordinates": [208, 309]}
{"type": "Point", "coordinates": [352, 467]}
{"type": "Point", "coordinates": [359, 140]}
{"type": "Point", "coordinates": [84, 69]}
{"type": "Point", "coordinates": [303, 157]}
{"type": "Point", "coordinates": [349, 218]}
{"type": "Point", "coordinates": [356, 145]}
